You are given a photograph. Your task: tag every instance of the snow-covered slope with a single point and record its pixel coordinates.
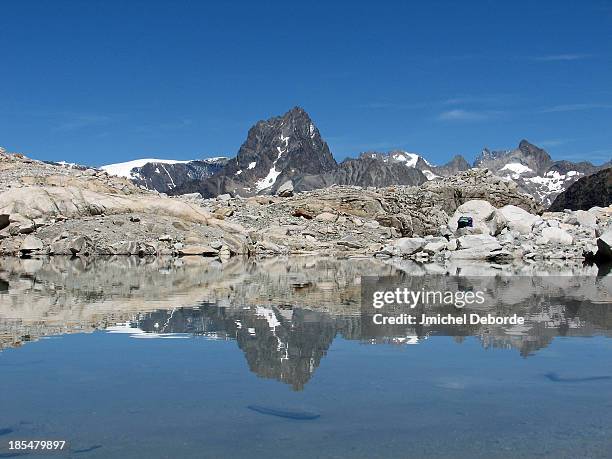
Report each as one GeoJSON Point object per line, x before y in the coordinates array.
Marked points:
{"type": "Point", "coordinates": [125, 169]}
{"type": "Point", "coordinates": [165, 174]}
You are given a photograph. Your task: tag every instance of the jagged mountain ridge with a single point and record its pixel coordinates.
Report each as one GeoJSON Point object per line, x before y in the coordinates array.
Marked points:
{"type": "Point", "coordinates": [534, 171]}
{"type": "Point", "coordinates": [290, 147]}
{"type": "Point", "coordinates": [163, 175]}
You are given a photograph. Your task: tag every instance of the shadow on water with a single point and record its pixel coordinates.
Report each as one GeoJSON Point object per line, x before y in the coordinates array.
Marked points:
{"type": "Point", "coordinates": [280, 413]}
{"type": "Point", "coordinates": [554, 377]}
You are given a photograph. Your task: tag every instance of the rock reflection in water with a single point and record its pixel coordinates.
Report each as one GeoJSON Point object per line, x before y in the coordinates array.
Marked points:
{"type": "Point", "coordinates": [283, 313]}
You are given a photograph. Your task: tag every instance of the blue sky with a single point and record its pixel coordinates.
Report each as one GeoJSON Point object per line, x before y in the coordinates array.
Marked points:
{"type": "Point", "coordinates": [106, 81]}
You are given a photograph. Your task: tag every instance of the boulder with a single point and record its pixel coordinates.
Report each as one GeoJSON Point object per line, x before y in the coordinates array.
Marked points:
{"type": "Point", "coordinates": [518, 219]}
{"type": "Point", "coordinates": [4, 220]}
{"type": "Point", "coordinates": [222, 212]}
{"type": "Point", "coordinates": [31, 244]}
{"type": "Point", "coordinates": [124, 248]}
{"type": "Point", "coordinates": [198, 250]}
{"type": "Point", "coordinates": [604, 246]}
{"type": "Point", "coordinates": [326, 217]}
{"type": "Point", "coordinates": [480, 253]}
{"type": "Point", "coordinates": [80, 245]}
{"type": "Point", "coordinates": [556, 235]}
{"type": "Point", "coordinates": [452, 245]}
{"type": "Point", "coordinates": [435, 246]}
{"type": "Point", "coordinates": [407, 245]}
{"type": "Point", "coordinates": [486, 218]}
{"type": "Point", "coordinates": [27, 228]}
{"type": "Point", "coordinates": [586, 218]}
{"type": "Point", "coordinates": [60, 247]}
{"type": "Point", "coordinates": [285, 190]}
{"type": "Point", "coordinates": [304, 213]}
{"type": "Point", "coordinates": [478, 241]}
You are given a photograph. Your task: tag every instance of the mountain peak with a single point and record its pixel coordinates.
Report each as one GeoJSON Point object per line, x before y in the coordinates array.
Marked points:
{"type": "Point", "coordinates": [274, 151]}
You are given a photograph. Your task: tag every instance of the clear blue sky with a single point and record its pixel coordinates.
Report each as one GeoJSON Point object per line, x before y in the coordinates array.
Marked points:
{"type": "Point", "coordinates": [106, 81]}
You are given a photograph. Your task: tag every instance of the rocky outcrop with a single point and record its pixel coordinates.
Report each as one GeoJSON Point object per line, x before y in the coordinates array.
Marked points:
{"type": "Point", "coordinates": [534, 171]}
{"type": "Point", "coordinates": [87, 212]}
{"type": "Point", "coordinates": [510, 233]}
{"type": "Point", "coordinates": [74, 211]}
{"type": "Point", "coordinates": [590, 191]}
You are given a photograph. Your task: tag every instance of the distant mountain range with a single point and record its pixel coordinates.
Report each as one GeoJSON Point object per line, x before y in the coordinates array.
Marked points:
{"type": "Point", "coordinates": [165, 174]}
{"type": "Point", "coordinates": [290, 147]}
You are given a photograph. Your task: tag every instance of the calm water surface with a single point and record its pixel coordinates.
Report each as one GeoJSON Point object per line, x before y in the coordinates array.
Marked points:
{"type": "Point", "coordinates": [269, 359]}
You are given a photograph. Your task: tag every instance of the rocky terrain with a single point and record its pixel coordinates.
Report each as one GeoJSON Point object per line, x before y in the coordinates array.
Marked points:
{"type": "Point", "coordinates": [46, 208]}
{"type": "Point", "coordinates": [590, 191]}
{"type": "Point", "coordinates": [62, 210]}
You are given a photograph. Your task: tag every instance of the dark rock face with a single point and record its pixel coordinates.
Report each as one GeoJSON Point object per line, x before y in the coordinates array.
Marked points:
{"type": "Point", "coordinates": [454, 166]}
{"type": "Point", "coordinates": [165, 177]}
{"type": "Point", "coordinates": [590, 191]}
{"type": "Point", "coordinates": [363, 171]}
{"type": "Point", "coordinates": [276, 150]}
{"type": "Point", "coordinates": [527, 154]}
{"type": "Point", "coordinates": [290, 147]}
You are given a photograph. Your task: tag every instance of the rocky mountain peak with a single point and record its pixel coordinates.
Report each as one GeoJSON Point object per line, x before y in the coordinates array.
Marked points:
{"type": "Point", "coordinates": [278, 148]}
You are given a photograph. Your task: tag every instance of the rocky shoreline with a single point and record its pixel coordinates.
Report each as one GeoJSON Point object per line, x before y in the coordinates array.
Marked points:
{"type": "Point", "coordinates": [55, 209]}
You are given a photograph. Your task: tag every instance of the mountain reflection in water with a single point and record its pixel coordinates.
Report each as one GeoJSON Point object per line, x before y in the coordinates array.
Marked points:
{"type": "Point", "coordinates": [283, 313]}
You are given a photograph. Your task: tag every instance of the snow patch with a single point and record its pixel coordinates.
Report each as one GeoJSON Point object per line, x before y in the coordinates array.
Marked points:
{"type": "Point", "coordinates": [125, 169]}
{"type": "Point", "coordinates": [517, 168]}
{"type": "Point", "coordinates": [269, 315]}
{"type": "Point", "coordinates": [409, 158]}
{"type": "Point", "coordinates": [268, 180]}
{"type": "Point", "coordinates": [429, 174]}
{"type": "Point", "coordinates": [252, 165]}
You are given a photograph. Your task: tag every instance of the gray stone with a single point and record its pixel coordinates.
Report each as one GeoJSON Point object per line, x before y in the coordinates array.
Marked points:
{"type": "Point", "coordinates": [556, 235]}
{"type": "Point", "coordinates": [198, 250]}
{"type": "Point", "coordinates": [27, 228]}
{"type": "Point", "coordinates": [409, 245]}
{"type": "Point", "coordinates": [285, 190]}
{"type": "Point", "coordinates": [80, 245]}
{"type": "Point", "coordinates": [486, 218]}
{"type": "Point", "coordinates": [435, 246]}
{"type": "Point", "coordinates": [479, 241]}
{"type": "Point", "coordinates": [586, 218]}
{"type": "Point", "coordinates": [31, 244]}
{"type": "Point", "coordinates": [326, 217]}
{"type": "Point", "coordinates": [518, 219]}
